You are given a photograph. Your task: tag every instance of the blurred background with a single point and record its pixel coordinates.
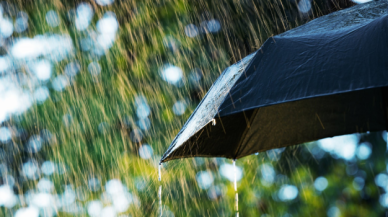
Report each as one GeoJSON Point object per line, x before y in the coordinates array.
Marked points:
{"type": "Point", "coordinates": [92, 93]}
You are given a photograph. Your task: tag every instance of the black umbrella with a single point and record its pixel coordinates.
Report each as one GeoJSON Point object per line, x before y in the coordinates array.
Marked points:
{"type": "Point", "coordinates": [326, 78]}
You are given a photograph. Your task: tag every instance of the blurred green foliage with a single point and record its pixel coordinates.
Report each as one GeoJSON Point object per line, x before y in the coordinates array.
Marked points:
{"type": "Point", "coordinates": [132, 67]}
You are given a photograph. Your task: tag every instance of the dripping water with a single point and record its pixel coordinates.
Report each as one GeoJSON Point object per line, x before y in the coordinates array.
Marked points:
{"type": "Point", "coordinates": [235, 188]}
{"type": "Point", "coordinates": [160, 189]}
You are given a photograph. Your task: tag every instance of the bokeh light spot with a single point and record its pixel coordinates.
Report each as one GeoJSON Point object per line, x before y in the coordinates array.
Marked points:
{"type": "Point", "coordinates": [6, 27]}
{"type": "Point", "coordinates": [364, 151]}
{"type": "Point", "coordinates": [84, 15]}
{"type": "Point", "coordinates": [7, 196]}
{"type": "Point", "coordinates": [34, 144]}
{"type": "Point", "coordinates": [213, 26]}
{"type": "Point", "coordinates": [304, 6]}
{"type": "Point", "coordinates": [145, 151]}
{"type": "Point", "coordinates": [52, 18]}
{"type": "Point", "coordinates": [60, 83]}
{"type": "Point", "coordinates": [204, 179]}
{"type": "Point", "coordinates": [30, 211]}
{"type": "Point", "coordinates": [172, 74]}
{"type": "Point", "coordinates": [42, 69]}
{"type": "Point", "coordinates": [41, 94]}
{"type": "Point", "coordinates": [288, 192]}
{"type": "Point", "coordinates": [179, 108]}
{"type": "Point", "coordinates": [191, 30]}
{"type": "Point", "coordinates": [48, 168]}
{"type": "Point", "coordinates": [72, 69]}
{"type": "Point", "coordinates": [321, 183]}
{"type": "Point", "coordinates": [358, 183]}
{"type": "Point", "coordinates": [268, 174]}
{"type": "Point", "coordinates": [341, 146]}
{"type": "Point", "coordinates": [21, 22]}
{"type": "Point", "coordinates": [5, 134]}
{"type": "Point", "coordinates": [104, 2]}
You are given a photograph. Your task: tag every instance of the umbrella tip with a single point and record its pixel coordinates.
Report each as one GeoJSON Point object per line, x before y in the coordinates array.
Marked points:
{"type": "Point", "coordinates": [214, 122]}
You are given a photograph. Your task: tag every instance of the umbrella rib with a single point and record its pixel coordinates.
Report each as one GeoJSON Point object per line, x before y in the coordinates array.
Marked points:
{"type": "Point", "coordinates": [246, 131]}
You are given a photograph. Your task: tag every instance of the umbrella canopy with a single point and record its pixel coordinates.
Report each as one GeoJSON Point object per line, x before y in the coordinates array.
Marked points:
{"type": "Point", "coordinates": [326, 78]}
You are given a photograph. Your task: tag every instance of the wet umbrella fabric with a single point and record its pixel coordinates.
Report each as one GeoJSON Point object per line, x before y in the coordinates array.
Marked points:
{"type": "Point", "coordinates": [326, 78]}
